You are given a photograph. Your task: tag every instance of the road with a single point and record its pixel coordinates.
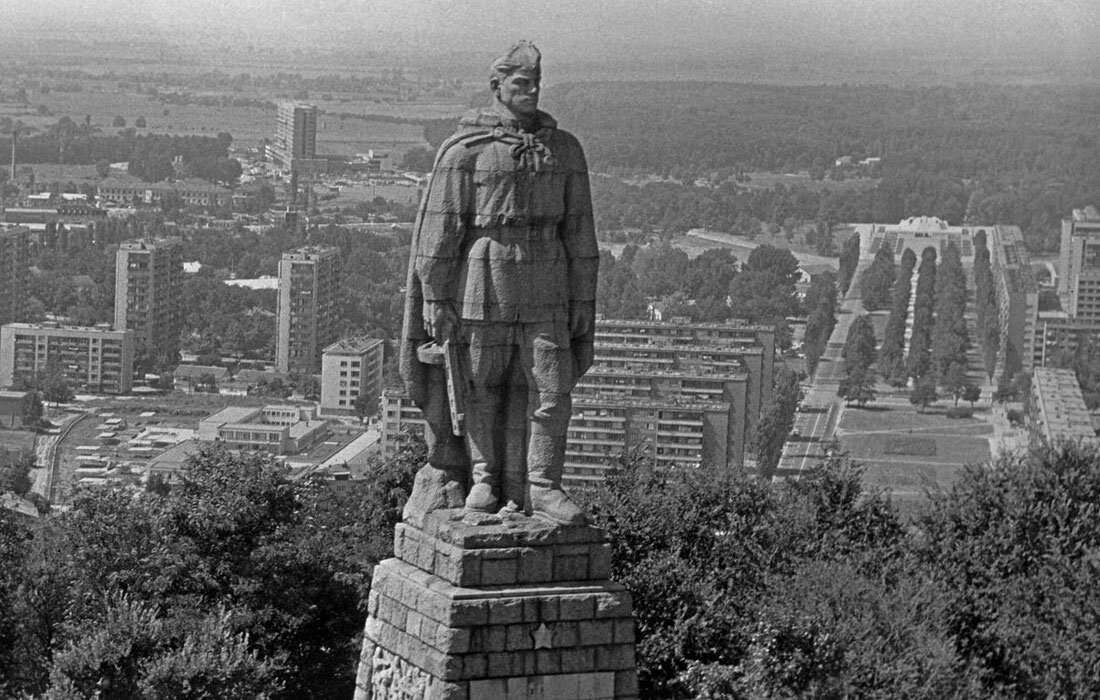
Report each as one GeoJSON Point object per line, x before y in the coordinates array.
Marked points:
{"type": "Point", "coordinates": [817, 417]}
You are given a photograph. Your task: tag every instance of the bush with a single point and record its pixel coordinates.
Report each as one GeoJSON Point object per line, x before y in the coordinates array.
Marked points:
{"type": "Point", "coordinates": [960, 412]}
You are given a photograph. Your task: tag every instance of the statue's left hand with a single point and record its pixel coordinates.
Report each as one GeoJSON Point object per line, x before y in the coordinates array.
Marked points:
{"type": "Point", "coordinates": [440, 320]}
{"type": "Point", "coordinates": [581, 317]}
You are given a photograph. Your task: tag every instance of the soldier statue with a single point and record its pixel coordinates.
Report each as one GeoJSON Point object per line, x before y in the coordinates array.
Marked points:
{"type": "Point", "coordinates": [503, 271]}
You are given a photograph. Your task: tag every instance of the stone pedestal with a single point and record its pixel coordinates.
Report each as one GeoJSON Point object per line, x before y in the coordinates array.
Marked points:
{"type": "Point", "coordinates": [487, 607]}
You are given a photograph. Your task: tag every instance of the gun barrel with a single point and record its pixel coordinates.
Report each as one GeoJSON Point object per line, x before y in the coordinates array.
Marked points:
{"type": "Point", "coordinates": [455, 396]}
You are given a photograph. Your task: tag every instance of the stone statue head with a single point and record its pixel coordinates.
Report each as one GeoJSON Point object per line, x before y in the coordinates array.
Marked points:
{"type": "Point", "coordinates": [523, 55]}
{"type": "Point", "coordinates": [515, 78]}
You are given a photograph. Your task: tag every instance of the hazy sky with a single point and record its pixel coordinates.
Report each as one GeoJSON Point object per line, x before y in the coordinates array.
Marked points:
{"type": "Point", "coordinates": [607, 28]}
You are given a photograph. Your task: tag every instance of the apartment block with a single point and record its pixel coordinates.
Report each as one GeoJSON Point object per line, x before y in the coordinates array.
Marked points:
{"type": "Point", "coordinates": [1058, 409]}
{"type": "Point", "coordinates": [1079, 265]}
{"type": "Point", "coordinates": [350, 368]}
{"type": "Point", "coordinates": [92, 359]}
{"type": "Point", "coordinates": [148, 296]}
{"type": "Point", "coordinates": [688, 394]}
{"type": "Point", "coordinates": [14, 266]}
{"type": "Point", "coordinates": [399, 414]}
{"type": "Point", "coordinates": [309, 279]}
{"type": "Point", "coordinates": [1017, 295]}
{"type": "Point", "coordinates": [699, 345]}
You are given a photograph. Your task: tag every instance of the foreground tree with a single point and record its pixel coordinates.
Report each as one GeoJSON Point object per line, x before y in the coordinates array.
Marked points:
{"type": "Point", "coordinates": [743, 589]}
{"type": "Point", "coordinates": [233, 571]}
{"type": "Point", "coordinates": [1012, 549]}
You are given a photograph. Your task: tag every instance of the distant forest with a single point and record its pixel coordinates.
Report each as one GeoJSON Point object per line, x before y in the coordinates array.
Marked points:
{"type": "Point", "coordinates": [981, 153]}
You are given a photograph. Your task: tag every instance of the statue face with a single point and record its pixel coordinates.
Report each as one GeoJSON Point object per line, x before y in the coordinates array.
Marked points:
{"type": "Point", "coordinates": [519, 92]}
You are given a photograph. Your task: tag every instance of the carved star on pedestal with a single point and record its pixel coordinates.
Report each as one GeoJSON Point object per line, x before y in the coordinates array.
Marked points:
{"type": "Point", "coordinates": [544, 638]}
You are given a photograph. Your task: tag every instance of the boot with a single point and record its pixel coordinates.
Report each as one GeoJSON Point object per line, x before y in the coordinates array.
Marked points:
{"type": "Point", "coordinates": [484, 467]}
{"type": "Point", "coordinates": [513, 487]}
{"type": "Point", "coordinates": [552, 504]}
{"type": "Point", "coordinates": [546, 498]}
{"type": "Point", "coordinates": [481, 498]}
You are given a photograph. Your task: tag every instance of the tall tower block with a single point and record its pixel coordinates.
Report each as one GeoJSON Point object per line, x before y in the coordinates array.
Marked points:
{"type": "Point", "coordinates": [14, 259]}
{"type": "Point", "coordinates": [295, 134]}
{"type": "Point", "coordinates": [308, 285]}
{"type": "Point", "coordinates": [148, 296]}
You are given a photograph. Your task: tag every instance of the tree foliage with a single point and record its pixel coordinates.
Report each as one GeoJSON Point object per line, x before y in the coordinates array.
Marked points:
{"type": "Point", "coordinates": [893, 337]}
{"type": "Point", "coordinates": [745, 589]}
{"type": "Point", "coordinates": [234, 582]}
{"type": "Point", "coordinates": [950, 338]}
{"type": "Point", "coordinates": [859, 355]}
{"type": "Point", "coordinates": [876, 281]}
{"type": "Point", "coordinates": [919, 359]}
{"type": "Point", "coordinates": [1028, 164]}
{"type": "Point", "coordinates": [821, 310]}
{"type": "Point", "coordinates": [849, 260]}
{"type": "Point", "coordinates": [924, 393]}
{"type": "Point", "coordinates": [776, 421]}
{"type": "Point", "coordinates": [1012, 549]}
{"type": "Point", "coordinates": [986, 309]}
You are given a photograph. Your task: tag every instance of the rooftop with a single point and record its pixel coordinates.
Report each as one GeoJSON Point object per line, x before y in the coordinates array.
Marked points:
{"type": "Point", "coordinates": [1089, 214]}
{"type": "Point", "coordinates": [710, 325]}
{"type": "Point", "coordinates": [669, 349]}
{"type": "Point", "coordinates": [352, 346]}
{"type": "Point", "coordinates": [1061, 408]}
{"type": "Point", "coordinates": [199, 370]}
{"type": "Point", "coordinates": [234, 414]}
{"type": "Point", "coordinates": [923, 223]}
{"type": "Point", "coordinates": [309, 252]}
{"type": "Point", "coordinates": [671, 403]}
{"type": "Point", "coordinates": [55, 326]}
{"type": "Point", "coordinates": [725, 374]}
{"type": "Point", "coordinates": [117, 181]}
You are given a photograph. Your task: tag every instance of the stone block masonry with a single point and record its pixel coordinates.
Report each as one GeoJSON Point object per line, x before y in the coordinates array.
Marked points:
{"type": "Point", "coordinates": [482, 607]}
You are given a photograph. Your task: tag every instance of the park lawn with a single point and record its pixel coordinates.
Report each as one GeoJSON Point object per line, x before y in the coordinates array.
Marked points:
{"type": "Point", "coordinates": [902, 418]}
{"type": "Point", "coordinates": [909, 454]}
{"type": "Point", "coordinates": [891, 448]}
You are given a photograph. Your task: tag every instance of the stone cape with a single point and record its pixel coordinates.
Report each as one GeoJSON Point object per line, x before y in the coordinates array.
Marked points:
{"type": "Point", "coordinates": [483, 606]}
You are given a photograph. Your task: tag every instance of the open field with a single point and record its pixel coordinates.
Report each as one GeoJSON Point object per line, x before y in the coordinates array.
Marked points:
{"type": "Point", "coordinates": [247, 124]}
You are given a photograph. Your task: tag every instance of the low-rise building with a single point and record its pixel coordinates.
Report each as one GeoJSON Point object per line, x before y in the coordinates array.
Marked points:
{"type": "Point", "coordinates": [1058, 410]}
{"type": "Point", "coordinates": [350, 368]}
{"type": "Point", "coordinates": [96, 359]}
{"type": "Point", "coordinates": [277, 429]}
{"type": "Point", "coordinates": [125, 190]}
{"type": "Point", "coordinates": [188, 378]}
{"type": "Point", "coordinates": [12, 408]}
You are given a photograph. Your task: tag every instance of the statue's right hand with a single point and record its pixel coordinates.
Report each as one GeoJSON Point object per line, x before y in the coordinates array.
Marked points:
{"type": "Point", "coordinates": [440, 320]}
